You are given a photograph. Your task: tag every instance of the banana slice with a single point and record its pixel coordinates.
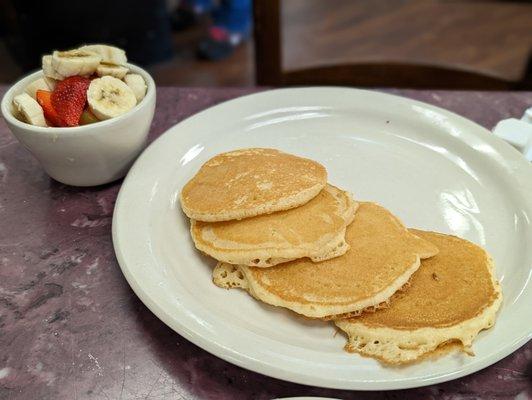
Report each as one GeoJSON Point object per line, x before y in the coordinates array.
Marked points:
{"type": "Point", "coordinates": [48, 70]}
{"type": "Point", "coordinates": [30, 110]}
{"type": "Point", "coordinates": [39, 84]}
{"type": "Point", "coordinates": [75, 62]}
{"type": "Point", "coordinates": [109, 54]}
{"type": "Point", "coordinates": [137, 85]}
{"type": "Point", "coordinates": [116, 71]}
{"type": "Point", "coordinates": [50, 82]}
{"type": "Point", "coordinates": [109, 97]}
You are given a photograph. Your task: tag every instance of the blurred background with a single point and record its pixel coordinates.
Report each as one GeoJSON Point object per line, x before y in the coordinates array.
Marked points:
{"type": "Point", "coordinates": [454, 44]}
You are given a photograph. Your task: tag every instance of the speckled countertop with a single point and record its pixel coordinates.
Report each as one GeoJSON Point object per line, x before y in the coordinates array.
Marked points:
{"type": "Point", "coordinates": [71, 328]}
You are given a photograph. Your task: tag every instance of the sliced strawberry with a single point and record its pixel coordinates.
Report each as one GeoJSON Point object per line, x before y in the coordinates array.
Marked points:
{"type": "Point", "coordinates": [69, 98]}
{"type": "Point", "coordinates": [44, 98]}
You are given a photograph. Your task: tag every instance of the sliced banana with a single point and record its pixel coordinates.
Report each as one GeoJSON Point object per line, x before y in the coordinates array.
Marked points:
{"type": "Point", "coordinates": [137, 85]}
{"type": "Point", "coordinates": [109, 97]}
{"type": "Point", "coordinates": [75, 62]}
{"type": "Point", "coordinates": [109, 54]}
{"type": "Point", "coordinates": [116, 71]}
{"type": "Point", "coordinates": [39, 84]}
{"type": "Point", "coordinates": [16, 113]}
{"type": "Point", "coordinates": [30, 110]}
{"type": "Point", "coordinates": [48, 70]}
{"type": "Point", "coordinates": [50, 82]}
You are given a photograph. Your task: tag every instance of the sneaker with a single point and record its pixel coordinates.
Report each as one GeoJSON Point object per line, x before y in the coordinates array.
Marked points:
{"type": "Point", "coordinates": [219, 44]}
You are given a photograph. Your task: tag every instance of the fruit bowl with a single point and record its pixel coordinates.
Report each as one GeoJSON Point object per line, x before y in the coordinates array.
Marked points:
{"type": "Point", "coordinates": [86, 155]}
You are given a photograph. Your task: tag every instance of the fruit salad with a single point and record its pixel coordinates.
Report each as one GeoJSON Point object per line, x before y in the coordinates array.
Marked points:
{"type": "Point", "coordinates": [79, 87]}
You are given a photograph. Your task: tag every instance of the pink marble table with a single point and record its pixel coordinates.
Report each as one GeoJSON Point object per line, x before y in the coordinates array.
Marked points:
{"type": "Point", "coordinates": [71, 328]}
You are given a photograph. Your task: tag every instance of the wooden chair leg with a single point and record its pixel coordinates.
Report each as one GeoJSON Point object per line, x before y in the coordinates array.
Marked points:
{"type": "Point", "coordinates": [268, 36]}
{"type": "Point", "coordinates": [526, 83]}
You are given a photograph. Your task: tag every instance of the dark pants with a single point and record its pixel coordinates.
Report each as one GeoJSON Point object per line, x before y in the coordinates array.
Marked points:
{"type": "Point", "coordinates": [141, 27]}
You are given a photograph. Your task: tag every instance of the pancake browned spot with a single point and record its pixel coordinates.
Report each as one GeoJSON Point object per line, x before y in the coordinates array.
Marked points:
{"type": "Point", "coordinates": [249, 182]}
{"type": "Point", "coordinates": [451, 298]}
{"type": "Point", "coordinates": [382, 257]}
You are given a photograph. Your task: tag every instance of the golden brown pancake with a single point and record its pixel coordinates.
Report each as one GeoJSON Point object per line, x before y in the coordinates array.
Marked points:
{"type": "Point", "coordinates": [451, 298]}
{"type": "Point", "coordinates": [382, 257]}
{"type": "Point", "coordinates": [315, 230]}
{"type": "Point", "coordinates": [249, 182]}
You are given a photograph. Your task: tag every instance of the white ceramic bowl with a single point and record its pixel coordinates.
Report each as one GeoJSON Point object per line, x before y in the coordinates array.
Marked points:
{"type": "Point", "coordinates": [85, 155]}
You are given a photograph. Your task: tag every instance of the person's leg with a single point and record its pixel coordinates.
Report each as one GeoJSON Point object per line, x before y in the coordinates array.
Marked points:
{"type": "Point", "coordinates": [188, 12]}
{"type": "Point", "coordinates": [198, 6]}
{"type": "Point", "coordinates": [231, 26]}
{"type": "Point", "coordinates": [234, 16]}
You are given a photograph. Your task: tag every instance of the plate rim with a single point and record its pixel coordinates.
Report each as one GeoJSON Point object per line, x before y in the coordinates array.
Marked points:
{"type": "Point", "coordinates": [258, 366]}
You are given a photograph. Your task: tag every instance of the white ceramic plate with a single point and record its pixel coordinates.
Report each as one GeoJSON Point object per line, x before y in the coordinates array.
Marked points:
{"type": "Point", "coordinates": [432, 168]}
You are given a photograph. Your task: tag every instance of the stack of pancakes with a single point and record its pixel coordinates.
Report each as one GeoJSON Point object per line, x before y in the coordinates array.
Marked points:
{"type": "Point", "coordinates": [290, 239]}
